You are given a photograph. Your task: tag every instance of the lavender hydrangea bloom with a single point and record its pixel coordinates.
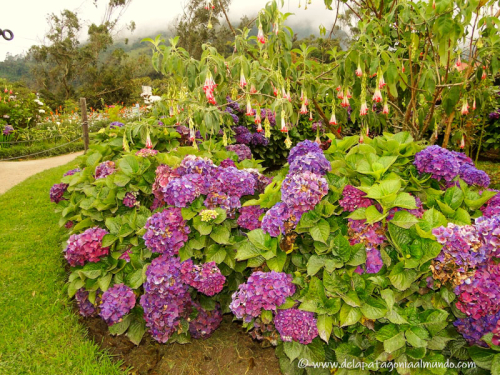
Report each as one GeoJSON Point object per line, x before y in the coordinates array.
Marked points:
{"type": "Point", "coordinates": [318, 126]}
{"type": "Point", "coordinates": [71, 172]}
{"type": "Point", "coordinates": [258, 139]}
{"type": "Point", "coordinates": [206, 322]}
{"type": "Point", "coordinates": [303, 148]}
{"type": "Point", "coordinates": [196, 164]}
{"type": "Point", "coordinates": [374, 261]}
{"type": "Point", "coordinates": [205, 278]}
{"type": "Point", "coordinates": [271, 116]}
{"type": "Point", "coordinates": [473, 176]}
{"type": "Point", "coordinates": [301, 192]}
{"type": "Point", "coordinates": [130, 199]}
{"type": "Point", "coordinates": [227, 163]}
{"type": "Point", "coordinates": [494, 115]}
{"type": "Point", "coordinates": [233, 182]}
{"type": "Point", "coordinates": [296, 325]}
{"type": "Point", "coordinates": [261, 181]}
{"type": "Point", "coordinates": [249, 217]}
{"type": "Point", "coordinates": [235, 118]}
{"type": "Point", "coordinates": [262, 291]}
{"type": "Point", "coordinates": [437, 161]}
{"type": "Point", "coordinates": [166, 231]}
{"type": "Point", "coordinates": [489, 233]}
{"type": "Point", "coordinates": [479, 296]}
{"type": "Point", "coordinates": [104, 169]}
{"type": "Point", "coordinates": [117, 302]}
{"type": "Point", "coordinates": [116, 124]}
{"type": "Point", "coordinates": [461, 246]}
{"type": "Point", "coordinates": [86, 247]}
{"type": "Point", "coordinates": [86, 308]}
{"type": "Point", "coordinates": [473, 330]}
{"type": "Point", "coordinates": [242, 135]}
{"type": "Point", "coordinates": [462, 158]}
{"type": "Point", "coordinates": [57, 191]}
{"type": "Point", "coordinates": [353, 199]}
{"type": "Point", "coordinates": [242, 151]}
{"type": "Point", "coordinates": [492, 207]}
{"type": "Point", "coordinates": [146, 152]}
{"type": "Point", "coordinates": [275, 220]}
{"type": "Point", "coordinates": [181, 192]}
{"type": "Point", "coordinates": [312, 162]}
{"type": "Point", "coordinates": [164, 174]}
{"type": "Point", "coordinates": [163, 276]}
{"type": "Point", "coordinates": [7, 129]}
{"type": "Point", "coordinates": [233, 104]}
{"type": "Point", "coordinates": [371, 235]}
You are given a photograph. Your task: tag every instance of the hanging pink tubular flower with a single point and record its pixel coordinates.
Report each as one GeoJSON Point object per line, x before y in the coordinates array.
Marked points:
{"type": "Point", "coordinates": [458, 63]}
{"type": "Point", "coordinates": [465, 108]}
{"type": "Point", "coordinates": [275, 90]}
{"type": "Point", "coordinates": [385, 111]}
{"type": "Point", "coordinates": [333, 119]}
{"type": "Point", "coordinates": [209, 88]}
{"type": "Point", "coordinates": [377, 96]}
{"type": "Point", "coordinates": [367, 131]}
{"type": "Point", "coordinates": [474, 104]}
{"type": "Point", "coordinates": [207, 5]}
{"type": "Point", "coordinates": [303, 109]}
{"type": "Point", "coordinates": [249, 108]}
{"type": "Point", "coordinates": [402, 69]}
{"type": "Point", "coordinates": [283, 129]}
{"type": "Point", "coordinates": [364, 109]}
{"type": "Point", "coordinates": [381, 82]}
{"type": "Point", "coordinates": [361, 138]}
{"type": "Point", "coordinates": [345, 102]}
{"type": "Point", "coordinates": [359, 72]}
{"type": "Point", "coordinates": [275, 28]}
{"type": "Point", "coordinates": [260, 36]}
{"type": "Point", "coordinates": [301, 95]}
{"type": "Point", "coordinates": [243, 81]}
{"type": "Point", "coordinates": [253, 90]}
{"type": "Point", "coordinates": [483, 76]}
{"type": "Point", "coordinates": [339, 88]}
{"type": "Point", "coordinates": [317, 140]}
{"type": "Point", "coordinates": [171, 111]}
{"type": "Point", "coordinates": [311, 116]}
{"type": "Point", "coordinates": [259, 127]}
{"type": "Point", "coordinates": [462, 142]}
{"type": "Point", "coordinates": [192, 135]}
{"type": "Point", "coordinates": [257, 118]}
{"type": "Point", "coordinates": [149, 144]}
{"type": "Point", "coordinates": [348, 94]}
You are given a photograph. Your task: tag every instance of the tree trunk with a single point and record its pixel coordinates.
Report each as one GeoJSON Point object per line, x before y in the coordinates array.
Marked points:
{"type": "Point", "coordinates": [448, 131]}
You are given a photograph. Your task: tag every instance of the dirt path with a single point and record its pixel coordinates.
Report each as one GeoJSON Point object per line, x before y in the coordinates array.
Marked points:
{"type": "Point", "coordinates": [13, 172]}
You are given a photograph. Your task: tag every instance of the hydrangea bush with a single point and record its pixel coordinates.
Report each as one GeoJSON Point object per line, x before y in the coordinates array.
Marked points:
{"type": "Point", "coordinates": [374, 251]}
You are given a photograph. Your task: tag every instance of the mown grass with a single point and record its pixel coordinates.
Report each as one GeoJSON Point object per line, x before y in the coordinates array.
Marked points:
{"type": "Point", "coordinates": [39, 332]}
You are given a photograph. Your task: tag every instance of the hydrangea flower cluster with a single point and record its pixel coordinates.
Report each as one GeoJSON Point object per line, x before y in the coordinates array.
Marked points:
{"type": "Point", "coordinates": [492, 207]}
{"type": "Point", "coordinates": [86, 308]}
{"type": "Point", "coordinates": [71, 172]}
{"type": "Point", "coordinates": [117, 302]}
{"type": "Point", "coordinates": [205, 278]}
{"type": "Point", "coordinates": [181, 192]}
{"type": "Point", "coordinates": [474, 329]}
{"type": "Point", "coordinates": [7, 129]}
{"type": "Point", "coordinates": [353, 199]}
{"type": "Point", "coordinates": [370, 235]}
{"type": "Point", "coordinates": [296, 325]}
{"type": "Point", "coordinates": [116, 124]}
{"type": "Point", "coordinates": [208, 215]}
{"type": "Point", "coordinates": [301, 192]}
{"type": "Point", "coordinates": [206, 322]}
{"type": "Point", "coordinates": [227, 163]}
{"type": "Point", "coordinates": [274, 220]}
{"type": "Point", "coordinates": [146, 152]}
{"type": "Point", "coordinates": [164, 174]}
{"type": "Point", "coordinates": [166, 231]}
{"type": "Point", "coordinates": [185, 135]}
{"type": "Point", "coordinates": [249, 217]}
{"type": "Point", "coordinates": [489, 232]}
{"type": "Point", "coordinates": [105, 169]}
{"type": "Point", "coordinates": [229, 110]}
{"type": "Point", "coordinates": [258, 139]}
{"type": "Point", "coordinates": [57, 191]}
{"type": "Point", "coordinates": [263, 290]}
{"type": "Point", "coordinates": [473, 176]}
{"type": "Point", "coordinates": [480, 296]}
{"type": "Point", "coordinates": [437, 161]}
{"type": "Point", "coordinates": [261, 181]}
{"type": "Point", "coordinates": [86, 247]}
{"type": "Point", "coordinates": [166, 300]}
{"type": "Point", "coordinates": [302, 149]}
{"type": "Point", "coordinates": [311, 162]}
{"type": "Point", "coordinates": [243, 151]}
{"type": "Point", "coordinates": [130, 199]}
{"type": "Point", "coordinates": [228, 186]}
{"type": "Point", "coordinates": [196, 164]}
{"type": "Point", "coordinates": [243, 135]}
{"type": "Point", "coordinates": [126, 254]}
{"type": "Point", "coordinates": [462, 158]}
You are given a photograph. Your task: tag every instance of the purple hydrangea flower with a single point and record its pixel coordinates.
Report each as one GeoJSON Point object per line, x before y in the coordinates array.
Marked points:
{"type": "Point", "coordinates": [318, 126]}
{"type": "Point", "coordinates": [57, 191]}
{"type": "Point", "coordinates": [181, 192]}
{"type": "Point", "coordinates": [164, 174]}
{"type": "Point", "coordinates": [488, 230]}
{"type": "Point", "coordinates": [374, 261]}
{"type": "Point", "coordinates": [474, 329]}
{"type": "Point", "coordinates": [312, 162]}
{"type": "Point", "coordinates": [303, 148]}
{"type": "Point", "coordinates": [71, 172]}
{"type": "Point", "coordinates": [494, 115]}
{"type": "Point", "coordinates": [275, 219]}
{"type": "Point", "coordinates": [126, 255]}
{"type": "Point", "coordinates": [242, 135]}
{"type": "Point", "coordinates": [205, 278]}
{"type": "Point", "coordinates": [7, 129]}
{"type": "Point", "coordinates": [116, 124]}
{"type": "Point", "coordinates": [86, 247]}
{"type": "Point", "coordinates": [261, 181]}
{"type": "Point", "coordinates": [235, 118]}
{"type": "Point", "coordinates": [130, 199]}
{"type": "Point", "coordinates": [473, 176]}
{"type": "Point", "coordinates": [258, 139]}
{"type": "Point", "coordinates": [301, 192]}
{"type": "Point", "coordinates": [242, 151]}
{"type": "Point", "coordinates": [233, 104]}
{"type": "Point", "coordinates": [296, 325]}
{"type": "Point", "coordinates": [86, 308]}
{"type": "Point", "coordinates": [206, 322]}
{"type": "Point", "coordinates": [271, 116]}
{"type": "Point", "coordinates": [262, 291]}
{"type": "Point", "coordinates": [462, 158]}
{"type": "Point", "coordinates": [353, 199]}
{"type": "Point", "coordinates": [117, 302]}
{"type": "Point", "coordinates": [371, 235]}
{"type": "Point", "coordinates": [227, 163]}
{"type": "Point", "coordinates": [492, 207]}
{"type": "Point", "coordinates": [69, 224]}
{"type": "Point", "coordinates": [437, 161]}
{"type": "Point", "coordinates": [166, 231]}
{"type": "Point", "coordinates": [196, 164]}
{"type": "Point", "coordinates": [146, 152]}
{"type": "Point", "coordinates": [249, 217]}
{"type": "Point", "coordinates": [104, 169]}
{"type": "Point", "coordinates": [228, 186]}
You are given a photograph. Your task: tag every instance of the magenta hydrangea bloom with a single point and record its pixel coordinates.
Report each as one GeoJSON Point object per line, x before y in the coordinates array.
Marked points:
{"type": "Point", "coordinates": [479, 296]}
{"type": "Point", "coordinates": [86, 247]}
{"type": "Point", "coordinates": [353, 199]}
{"type": "Point", "coordinates": [474, 329]}
{"type": "Point", "coordinates": [473, 176]}
{"type": "Point", "coordinates": [227, 163]}
{"type": "Point", "coordinates": [166, 231]}
{"type": "Point", "coordinates": [7, 129]}
{"type": "Point", "coordinates": [71, 172]}
{"type": "Point", "coordinates": [146, 152]}
{"type": "Point", "coordinates": [206, 278]}
{"type": "Point", "coordinates": [105, 169]}
{"type": "Point", "coordinates": [296, 325]}
{"type": "Point", "coordinates": [196, 164]}
{"type": "Point", "coordinates": [462, 159]}
{"type": "Point", "coordinates": [164, 174]}
{"type": "Point", "coordinates": [117, 302]}
{"type": "Point", "coordinates": [181, 192]}
{"type": "Point", "coordinates": [206, 322]}
{"type": "Point", "coordinates": [371, 235]}
{"type": "Point", "coordinates": [126, 255]}
{"type": "Point", "coordinates": [374, 261]}
{"type": "Point", "coordinates": [492, 207]}
{"type": "Point", "coordinates": [227, 187]}
{"type": "Point", "coordinates": [262, 291]}
{"type": "Point", "coordinates": [312, 162]}
{"type": "Point", "coordinates": [301, 192]}
{"type": "Point", "coordinates": [437, 161]}
{"type": "Point", "coordinates": [130, 199]}
{"type": "Point", "coordinates": [249, 217]}
{"type": "Point", "coordinates": [304, 148]}
{"type": "Point", "coordinates": [85, 307]}
{"type": "Point", "coordinates": [274, 220]}
{"type": "Point", "coordinates": [243, 151]}
{"type": "Point", "coordinates": [488, 229]}
{"type": "Point", "coordinates": [69, 224]}
{"type": "Point", "coordinates": [261, 181]}
{"type": "Point", "coordinates": [57, 191]}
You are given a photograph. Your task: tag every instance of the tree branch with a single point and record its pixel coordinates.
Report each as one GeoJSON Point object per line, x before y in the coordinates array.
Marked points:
{"type": "Point", "coordinates": [227, 18]}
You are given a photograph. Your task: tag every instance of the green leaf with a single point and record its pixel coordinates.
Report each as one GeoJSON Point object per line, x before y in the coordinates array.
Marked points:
{"type": "Point", "coordinates": [482, 357]}
{"type": "Point", "coordinates": [325, 325]}
{"type": "Point", "coordinates": [373, 215]}
{"type": "Point", "coordinates": [91, 270]}
{"type": "Point", "coordinates": [404, 219]}
{"type": "Point", "coordinates": [222, 215]}
{"type": "Point", "coordinates": [120, 179]}
{"type": "Point", "coordinates": [216, 253]}
{"type": "Point", "coordinates": [278, 262]}
{"type": "Point", "coordinates": [495, 365]}
{"type": "Point", "coordinates": [417, 336]}
{"type": "Point", "coordinates": [129, 165]}
{"type": "Point", "coordinates": [134, 279]}
{"type": "Point", "coordinates": [120, 327]}
{"type": "Point", "coordinates": [247, 250]}
{"type": "Point", "coordinates": [136, 331]}
{"type": "Point", "coordinates": [104, 281]}
{"type": "Point", "coordinates": [258, 238]}
{"type": "Point", "coordinates": [188, 213]}
{"type": "Point", "coordinates": [351, 298]}
{"type": "Point", "coordinates": [341, 247]}
{"type": "Point", "coordinates": [358, 214]}
{"type": "Point", "coordinates": [292, 349]}
{"type": "Point", "coordinates": [388, 296]}
{"type": "Point", "coordinates": [108, 240]}
{"type": "Point", "coordinates": [201, 226]}
{"type": "Point", "coordinates": [358, 255]}
{"type": "Point", "coordinates": [395, 343]}
{"type": "Point", "coordinates": [402, 278]}
{"type": "Point", "coordinates": [454, 197]}
{"type": "Point", "coordinates": [314, 264]}
{"type": "Point", "coordinates": [432, 219]}
{"type": "Point", "coordinates": [349, 315]}
{"type": "Point", "coordinates": [405, 200]}
{"type": "Point", "coordinates": [220, 234]}
{"type": "Point", "coordinates": [320, 231]}
{"type": "Point", "coordinates": [374, 308]}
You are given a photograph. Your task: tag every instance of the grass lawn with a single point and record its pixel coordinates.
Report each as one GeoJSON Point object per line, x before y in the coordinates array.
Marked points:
{"type": "Point", "coordinates": [39, 333]}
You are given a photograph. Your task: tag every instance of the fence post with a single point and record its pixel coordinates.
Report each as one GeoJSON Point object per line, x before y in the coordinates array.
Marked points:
{"type": "Point", "coordinates": [85, 123]}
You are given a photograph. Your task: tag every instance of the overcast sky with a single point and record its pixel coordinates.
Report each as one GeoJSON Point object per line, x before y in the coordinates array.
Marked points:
{"type": "Point", "coordinates": [27, 18]}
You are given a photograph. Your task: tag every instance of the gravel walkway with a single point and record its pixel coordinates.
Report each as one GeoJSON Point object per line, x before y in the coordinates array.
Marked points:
{"type": "Point", "coordinates": [14, 172]}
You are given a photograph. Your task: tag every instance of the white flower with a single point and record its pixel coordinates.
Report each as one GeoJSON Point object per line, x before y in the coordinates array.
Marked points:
{"type": "Point", "coordinates": [58, 123]}
{"type": "Point", "coordinates": [41, 111]}
{"type": "Point", "coordinates": [155, 98]}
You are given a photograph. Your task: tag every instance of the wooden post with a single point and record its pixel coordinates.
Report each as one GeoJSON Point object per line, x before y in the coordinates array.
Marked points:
{"type": "Point", "coordinates": [85, 123]}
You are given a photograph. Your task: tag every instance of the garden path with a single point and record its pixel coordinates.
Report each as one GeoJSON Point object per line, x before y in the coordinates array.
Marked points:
{"type": "Point", "coordinates": [14, 172]}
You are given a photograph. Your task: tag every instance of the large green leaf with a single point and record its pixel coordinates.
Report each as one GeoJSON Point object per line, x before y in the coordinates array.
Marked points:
{"type": "Point", "coordinates": [349, 315]}
{"type": "Point", "coordinates": [402, 278]}
{"type": "Point", "coordinates": [320, 231]}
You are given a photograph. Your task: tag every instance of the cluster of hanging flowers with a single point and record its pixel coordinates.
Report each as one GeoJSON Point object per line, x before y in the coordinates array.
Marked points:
{"type": "Point", "coordinates": [209, 88]}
